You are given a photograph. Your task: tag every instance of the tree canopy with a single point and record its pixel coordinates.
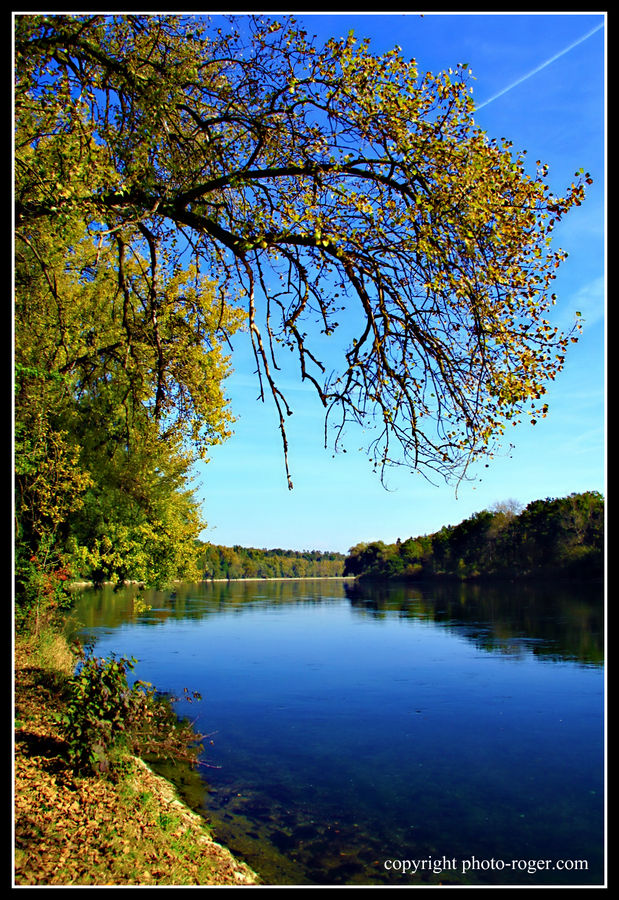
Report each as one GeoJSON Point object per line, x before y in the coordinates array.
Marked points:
{"type": "Point", "coordinates": [113, 405]}
{"type": "Point", "coordinates": [323, 191]}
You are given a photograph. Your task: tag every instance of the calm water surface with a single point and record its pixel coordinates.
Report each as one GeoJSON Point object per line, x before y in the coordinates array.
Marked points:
{"type": "Point", "coordinates": [458, 728]}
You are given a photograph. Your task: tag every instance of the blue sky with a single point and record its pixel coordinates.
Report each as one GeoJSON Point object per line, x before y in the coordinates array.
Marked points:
{"type": "Point", "coordinates": [540, 82]}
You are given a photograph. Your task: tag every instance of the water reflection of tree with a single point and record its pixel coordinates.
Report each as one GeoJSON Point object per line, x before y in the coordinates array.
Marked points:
{"type": "Point", "coordinates": [552, 621]}
{"type": "Point", "coordinates": [114, 606]}
{"type": "Point", "coordinates": [549, 621]}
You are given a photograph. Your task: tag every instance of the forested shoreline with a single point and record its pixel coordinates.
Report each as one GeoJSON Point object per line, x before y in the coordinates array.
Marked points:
{"type": "Point", "coordinates": [217, 561]}
{"type": "Point", "coordinates": [555, 537]}
{"type": "Point", "coordinates": [548, 537]}
{"type": "Point", "coordinates": [551, 537]}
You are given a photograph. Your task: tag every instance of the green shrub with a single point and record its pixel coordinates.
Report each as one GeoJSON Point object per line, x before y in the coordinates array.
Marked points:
{"type": "Point", "coordinates": [99, 711]}
{"type": "Point", "coordinates": [106, 719]}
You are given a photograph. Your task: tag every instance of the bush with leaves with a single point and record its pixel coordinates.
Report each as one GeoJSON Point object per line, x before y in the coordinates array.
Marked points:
{"type": "Point", "coordinates": [106, 719]}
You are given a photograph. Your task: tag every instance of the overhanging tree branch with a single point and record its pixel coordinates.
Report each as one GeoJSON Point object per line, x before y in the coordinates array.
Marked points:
{"type": "Point", "coordinates": [322, 184]}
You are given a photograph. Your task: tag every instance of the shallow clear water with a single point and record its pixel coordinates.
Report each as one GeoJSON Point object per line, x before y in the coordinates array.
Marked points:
{"type": "Point", "coordinates": [393, 735]}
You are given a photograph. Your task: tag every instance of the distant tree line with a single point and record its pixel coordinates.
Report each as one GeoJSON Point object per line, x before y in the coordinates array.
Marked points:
{"type": "Point", "coordinates": [547, 538]}
{"type": "Point", "coordinates": [249, 562]}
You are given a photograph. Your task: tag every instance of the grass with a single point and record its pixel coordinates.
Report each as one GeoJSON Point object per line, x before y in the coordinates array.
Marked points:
{"type": "Point", "coordinates": [73, 829]}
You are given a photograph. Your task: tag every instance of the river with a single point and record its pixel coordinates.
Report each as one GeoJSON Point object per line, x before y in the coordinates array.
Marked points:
{"type": "Point", "coordinates": [396, 735]}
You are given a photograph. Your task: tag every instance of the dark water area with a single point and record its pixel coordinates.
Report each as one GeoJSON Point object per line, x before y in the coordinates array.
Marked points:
{"type": "Point", "coordinates": [390, 734]}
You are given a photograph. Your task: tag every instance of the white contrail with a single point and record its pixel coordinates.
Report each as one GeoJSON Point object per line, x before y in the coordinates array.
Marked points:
{"type": "Point", "coordinates": [542, 66]}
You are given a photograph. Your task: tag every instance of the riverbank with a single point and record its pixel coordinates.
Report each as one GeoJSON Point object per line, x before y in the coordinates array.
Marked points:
{"type": "Point", "coordinates": [87, 830]}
